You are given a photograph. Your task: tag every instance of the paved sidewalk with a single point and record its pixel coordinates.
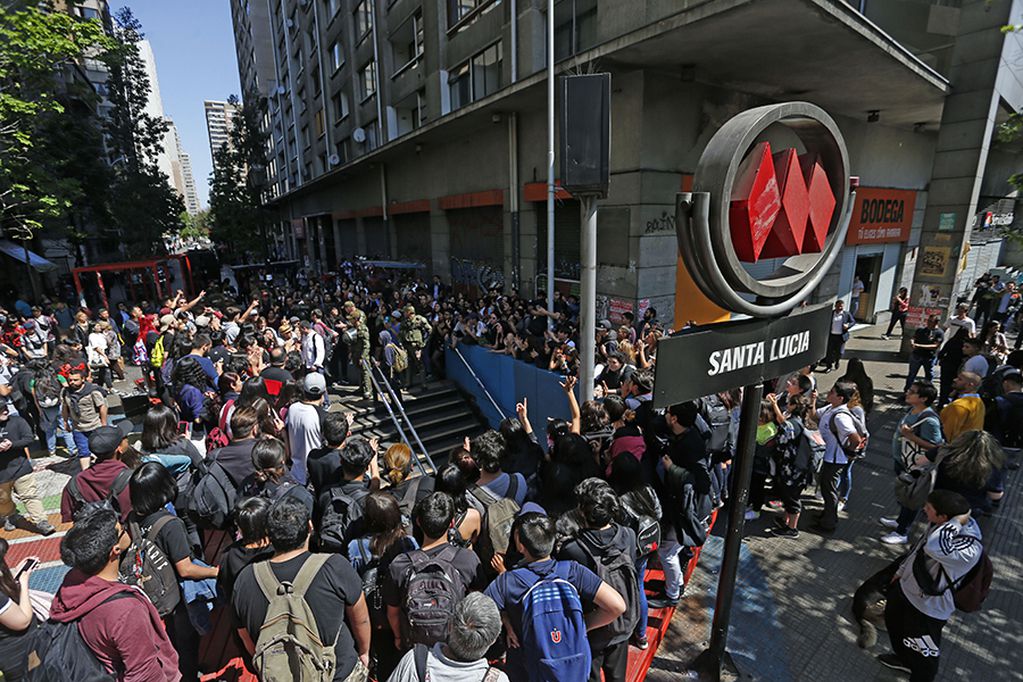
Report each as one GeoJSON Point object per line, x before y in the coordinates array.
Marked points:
{"type": "Point", "coordinates": [792, 616]}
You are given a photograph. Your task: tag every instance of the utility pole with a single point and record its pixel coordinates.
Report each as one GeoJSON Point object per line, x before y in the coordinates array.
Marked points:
{"type": "Point", "coordinates": [588, 297]}
{"type": "Point", "coordinates": [550, 160]}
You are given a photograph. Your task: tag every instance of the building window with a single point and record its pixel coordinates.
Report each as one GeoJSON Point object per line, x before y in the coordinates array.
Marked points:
{"type": "Point", "coordinates": [305, 136]}
{"type": "Point", "coordinates": [460, 9]}
{"type": "Point", "coordinates": [407, 42]}
{"type": "Point", "coordinates": [477, 78]}
{"type": "Point", "coordinates": [88, 13]}
{"type": "Point", "coordinates": [318, 123]}
{"type": "Point", "coordinates": [337, 56]}
{"type": "Point", "coordinates": [420, 117]}
{"type": "Point", "coordinates": [372, 138]}
{"type": "Point", "coordinates": [332, 7]}
{"type": "Point", "coordinates": [363, 19]}
{"type": "Point", "coordinates": [368, 80]}
{"type": "Point", "coordinates": [342, 150]}
{"type": "Point", "coordinates": [340, 106]}
{"type": "Point", "coordinates": [315, 76]}
{"type": "Point", "coordinates": [310, 41]}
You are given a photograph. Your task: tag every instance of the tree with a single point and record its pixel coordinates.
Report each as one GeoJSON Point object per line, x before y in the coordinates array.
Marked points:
{"type": "Point", "coordinates": [143, 206]}
{"type": "Point", "coordinates": [196, 226]}
{"type": "Point", "coordinates": [37, 50]}
{"type": "Point", "coordinates": [238, 219]}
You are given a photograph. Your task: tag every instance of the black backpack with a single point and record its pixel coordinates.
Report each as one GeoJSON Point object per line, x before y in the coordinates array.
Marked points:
{"type": "Point", "coordinates": [147, 567]}
{"type": "Point", "coordinates": [617, 569]}
{"type": "Point", "coordinates": [338, 517]}
{"type": "Point", "coordinates": [1012, 428]}
{"type": "Point", "coordinates": [432, 591]}
{"type": "Point", "coordinates": [422, 656]}
{"type": "Point", "coordinates": [116, 488]}
{"type": "Point", "coordinates": [213, 498]}
{"type": "Point", "coordinates": [57, 653]}
{"type": "Point", "coordinates": [371, 587]}
{"type": "Point", "coordinates": [719, 423]}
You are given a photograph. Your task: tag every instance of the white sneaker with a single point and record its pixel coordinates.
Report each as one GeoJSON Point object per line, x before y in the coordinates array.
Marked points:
{"type": "Point", "coordinates": [889, 523]}
{"type": "Point", "coordinates": [841, 505]}
{"type": "Point", "coordinates": [894, 538]}
{"type": "Point", "coordinates": [752, 515]}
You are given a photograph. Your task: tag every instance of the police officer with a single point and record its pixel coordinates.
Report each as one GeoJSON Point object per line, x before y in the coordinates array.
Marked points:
{"type": "Point", "coordinates": [359, 348]}
{"type": "Point", "coordinates": [415, 330]}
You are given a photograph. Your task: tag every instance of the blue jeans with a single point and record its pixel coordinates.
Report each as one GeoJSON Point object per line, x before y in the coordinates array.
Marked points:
{"type": "Point", "coordinates": [845, 483]}
{"type": "Point", "coordinates": [57, 429]}
{"type": "Point", "coordinates": [915, 363]}
{"type": "Point", "coordinates": [643, 608]}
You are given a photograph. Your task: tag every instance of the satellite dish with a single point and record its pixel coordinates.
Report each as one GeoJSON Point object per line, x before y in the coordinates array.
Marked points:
{"type": "Point", "coordinates": [359, 135]}
{"type": "Point", "coordinates": [334, 159]}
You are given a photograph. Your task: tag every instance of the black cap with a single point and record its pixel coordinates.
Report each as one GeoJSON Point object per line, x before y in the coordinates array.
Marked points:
{"type": "Point", "coordinates": [4, 402]}
{"type": "Point", "coordinates": [105, 439]}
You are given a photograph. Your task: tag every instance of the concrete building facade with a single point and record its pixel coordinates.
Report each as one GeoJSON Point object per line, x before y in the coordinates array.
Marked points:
{"type": "Point", "coordinates": [416, 129]}
{"type": "Point", "coordinates": [219, 121]}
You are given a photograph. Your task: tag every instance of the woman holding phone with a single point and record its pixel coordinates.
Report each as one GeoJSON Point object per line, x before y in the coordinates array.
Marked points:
{"type": "Point", "coordinates": [16, 617]}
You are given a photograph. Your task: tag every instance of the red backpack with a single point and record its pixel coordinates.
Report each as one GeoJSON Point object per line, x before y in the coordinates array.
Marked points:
{"type": "Point", "coordinates": [217, 436]}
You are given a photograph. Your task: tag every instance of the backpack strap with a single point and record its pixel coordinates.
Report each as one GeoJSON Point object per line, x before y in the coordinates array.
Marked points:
{"type": "Point", "coordinates": [305, 576]}
{"type": "Point", "coordinates": [420, 656]}
{"type": "Point", "coordinates": [158, 526]}
{"type": "Point", "coordinates": [411, 491]}
{"type": "Point", "coordinates": [492, 675]}
{"type": "Point", "coordinates": [120, 482]}
{"type": "Point", "coordinates": [267, 580]}
{"type": "Point", "coordinates": [513, 488]}
{"type": "Point", "coordinates": [74, 492]}
{"type": "Point", "coordinates": [477, 490]}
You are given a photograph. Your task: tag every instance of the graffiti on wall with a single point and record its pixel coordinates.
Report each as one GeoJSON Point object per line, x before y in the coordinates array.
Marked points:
{"type": "Point", "coordinates": [664, 223]}
{"type": "Point", "coordinates": [469, 273]}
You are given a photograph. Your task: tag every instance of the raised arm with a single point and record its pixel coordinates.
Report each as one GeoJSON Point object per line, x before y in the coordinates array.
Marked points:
{"type": "Point", "coordinates": [568, 385]}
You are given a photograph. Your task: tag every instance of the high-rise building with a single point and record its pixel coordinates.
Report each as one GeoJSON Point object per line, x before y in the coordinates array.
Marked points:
{"type": "Point", "coordinates": [181, 170]}
{"type": "Point", "coordinates": [418, 130]}
{"type": "Point", "coordinates": [219, 121]}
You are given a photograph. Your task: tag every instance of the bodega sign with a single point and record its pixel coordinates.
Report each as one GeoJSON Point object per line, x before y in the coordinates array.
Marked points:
{"type": "Point", "coordinates": [700, 362]}
{"type": "Point", "coordinates": [881, 215]}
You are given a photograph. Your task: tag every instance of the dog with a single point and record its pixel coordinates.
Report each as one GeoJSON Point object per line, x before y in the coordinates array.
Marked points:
{"type": "Point", "coordinates": [869, 601]}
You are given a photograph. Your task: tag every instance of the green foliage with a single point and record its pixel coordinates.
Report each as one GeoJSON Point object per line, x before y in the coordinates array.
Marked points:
{"type": "Point", "coordinates": [143, 206]}
{"type": "Point", "coordinates": [196, 226]}
{"type": "Point", "coordinates": [238, 184]}
{"type": "Point", "coordinates": [37, 87]}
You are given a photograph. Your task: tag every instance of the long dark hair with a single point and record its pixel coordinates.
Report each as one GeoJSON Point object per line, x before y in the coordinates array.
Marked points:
{"type": "Point", "coordinates": [8, 585]}
{"type": "Point", "coordinates": [383, 522]}
{"type": "Point", "coordinates": [252, 388]}
{"type": "Point", "coordinates": [268, 459]}
{"type": "Point", "coordinates": [187, 370]}
{"type": "Point", "coordinates": [159, 429]}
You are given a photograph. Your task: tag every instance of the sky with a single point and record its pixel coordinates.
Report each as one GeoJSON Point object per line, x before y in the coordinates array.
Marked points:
{"type": "Point", "coordinates": [193, 44]}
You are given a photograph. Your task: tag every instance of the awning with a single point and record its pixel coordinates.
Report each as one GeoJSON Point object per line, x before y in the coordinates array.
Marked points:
{"type": "Point", "coordinates": [17, 252]}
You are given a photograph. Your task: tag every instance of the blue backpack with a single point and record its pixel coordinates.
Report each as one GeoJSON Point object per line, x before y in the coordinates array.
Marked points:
{"type": "Point", "coordinates": [553, 641]}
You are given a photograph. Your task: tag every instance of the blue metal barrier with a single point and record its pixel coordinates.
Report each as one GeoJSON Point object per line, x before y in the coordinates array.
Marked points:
{"type": "Point", "coordinates": [509, 381]}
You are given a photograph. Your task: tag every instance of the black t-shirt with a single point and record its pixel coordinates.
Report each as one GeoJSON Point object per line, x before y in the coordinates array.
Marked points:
{"type": "Point", "coordinates": [324, 467]}
{"type": "Point", "coordinates": [236, 458]}
{"type": "Point", "coordinates": [233, 562]}
{"type": "Point", "coordinates": [623, 543]}
{"type": "Point", "coordinates": [537, 323]}
{"type": "Point", "coordinates": [14, 645]}
{"type": "Point", "coordinates": [466, 564]}
{"type": "Point", "coordinates": [335, 587]}
{"type": "Point", "coordinates": [927, 337]}
{"type": "Point", "coordinates": [172, 538]}
{"type": "Point", "coordinates": [219, 354]}
{"type": "Point", "coordinates": [277, 374]}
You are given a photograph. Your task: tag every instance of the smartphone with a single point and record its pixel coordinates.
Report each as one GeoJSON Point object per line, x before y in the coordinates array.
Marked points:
{"type": "Point", "coordinates": [185, 429]}
{"type": "Point", "coordinates": [29, 565]}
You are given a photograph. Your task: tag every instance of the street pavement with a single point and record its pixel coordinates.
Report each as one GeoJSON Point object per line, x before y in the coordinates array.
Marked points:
{"type": "Point", "coordinates": [792, 618]}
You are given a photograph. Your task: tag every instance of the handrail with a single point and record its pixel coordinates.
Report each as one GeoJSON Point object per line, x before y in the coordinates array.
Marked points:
{"type": "Point", "coordinates": [480, 382]}
{"type": "Point", "coordinates": [394, 419]}
{"type": "Point", "coordinates": [408, 420]}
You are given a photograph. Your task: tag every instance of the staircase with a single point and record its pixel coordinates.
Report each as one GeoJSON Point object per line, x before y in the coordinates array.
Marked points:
{"type": "Point", "coordinates": [440, 413]}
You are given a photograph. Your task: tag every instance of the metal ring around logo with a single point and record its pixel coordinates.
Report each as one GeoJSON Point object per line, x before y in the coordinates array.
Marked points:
{"type": "Point", "coordinates": [705, 239]}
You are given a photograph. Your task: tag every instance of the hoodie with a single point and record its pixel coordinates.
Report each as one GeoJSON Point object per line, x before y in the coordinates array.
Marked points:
{"type": "Point", "coordinates": [950, 551]}
{"type": "Point", "coordinates": [126, 634]}
{"type": "Point", "coordinates": [95, 484]}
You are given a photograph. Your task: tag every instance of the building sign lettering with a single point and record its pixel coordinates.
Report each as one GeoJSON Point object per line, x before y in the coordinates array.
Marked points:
{"type": "Point", "coordinates": [881, 215]}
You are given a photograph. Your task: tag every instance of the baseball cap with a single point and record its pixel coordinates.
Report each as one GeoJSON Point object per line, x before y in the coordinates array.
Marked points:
{"type": "Point", "coordinates": [202, 321]}
{"type": "Point", "coordinates": [166, 321]}
{"type": "Point", "coordinates": [606, 324]}
{"type": "Point", "coordinates": [314, 384]}
{"type": "Point", "coordinates": [105, 439]}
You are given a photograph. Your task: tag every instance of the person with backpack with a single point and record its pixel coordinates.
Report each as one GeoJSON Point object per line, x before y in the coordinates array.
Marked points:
{"type": "Point", "coordinates": [422, 586]}
{"type": "Point", "coordinates": [107, 479]}
{"type": "Point", "coordinates": [462, 657]}
{"type": "Point", "coordinates": [314, 350]}
{"type": "Point", "coordinates": [641, 511]}
{"type": "Point", "coordinates": [339, 507]}
{"type": "Point", "coordinates": [929, 585]}
{"type": "Point", "coordinates": [303, 423]}
{"type": "Point", "coordinates": [371, 556]}
{"type": "Point", "coordinates": [609, 550]}
{"type": "Point", "coordinates": [1009, 411]}
{"type": "Point", "coordinates": [304, 615]}
{"type": "Point", "coordinates": [918, 432]}
{"type": "Point", "coordinates": [395, 361]}
{"type": "Point", "coordinates": [844, 440]}
{"type": "Point", "coordinates": [193, 398]}
{"type": "Point", "coordinates": [84, 406]}
{"type": "Point", "coordinates": [542, 604]}
{"type": "Point", "coordinates": [271, 478]}
{"type": "Point", "coordinates": [160, 556]}
{"type": "Point", "coordinates": [799, 451]}
{"type": "Point", "coordinates": [455, 479]}
{"type": "Point", "coordinates": [46, 387]}
{"type": "Point", "coordinates": [98, 625]}
{"type": "Point", "coordinates": [397, 472]}
{"type": "Point", "coordinates": [16, 475]}
{"type": "Point", "coordinates": [323, 464]}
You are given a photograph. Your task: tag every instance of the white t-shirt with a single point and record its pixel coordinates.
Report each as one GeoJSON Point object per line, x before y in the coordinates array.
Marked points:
{"type": "Point", "coordinates": [440, 668]}
{"type": "Point", "coordinates": [304, 437]}
{"type": "Point", "coordinates": [858, 288]}
{"type": "Point", "coordinates": [837, 322]}
{"type": "Point", "coordinates": [966, 323]}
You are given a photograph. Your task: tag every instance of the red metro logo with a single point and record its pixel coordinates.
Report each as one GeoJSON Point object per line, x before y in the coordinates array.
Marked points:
{"type": "Point", "coordinates": [772, 183]}
{"type": "Point", "coordinates": [781, 205]}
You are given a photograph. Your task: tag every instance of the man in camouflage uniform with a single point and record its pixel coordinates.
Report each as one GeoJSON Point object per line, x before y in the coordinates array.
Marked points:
{"type": "Point", "coordinates": [415, 330]}
{"type": "Point", "coordinates": [359, 347]}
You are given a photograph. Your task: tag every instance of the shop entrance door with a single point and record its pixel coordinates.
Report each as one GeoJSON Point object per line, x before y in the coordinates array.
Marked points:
{"type": "Point", "coordinates": [868, 269]}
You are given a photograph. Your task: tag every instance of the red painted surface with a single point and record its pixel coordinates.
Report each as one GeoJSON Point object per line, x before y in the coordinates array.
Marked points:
{"type": "Point", "coordinates": [822, 203]}
{"type": "Point", "coordinates": [415, 206]}
{"type": "Point", "coordinates": [537, 191]}
{"type": "Point", "coordinates": [786, 238]}
{"type": "Point", "coordinates": [492, 197]}
{"type": "Point", "coordinates": [756, 203]}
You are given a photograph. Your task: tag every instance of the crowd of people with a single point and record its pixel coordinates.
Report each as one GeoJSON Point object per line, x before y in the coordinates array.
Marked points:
{"type": "Point", "coordinates": [241, 503]}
